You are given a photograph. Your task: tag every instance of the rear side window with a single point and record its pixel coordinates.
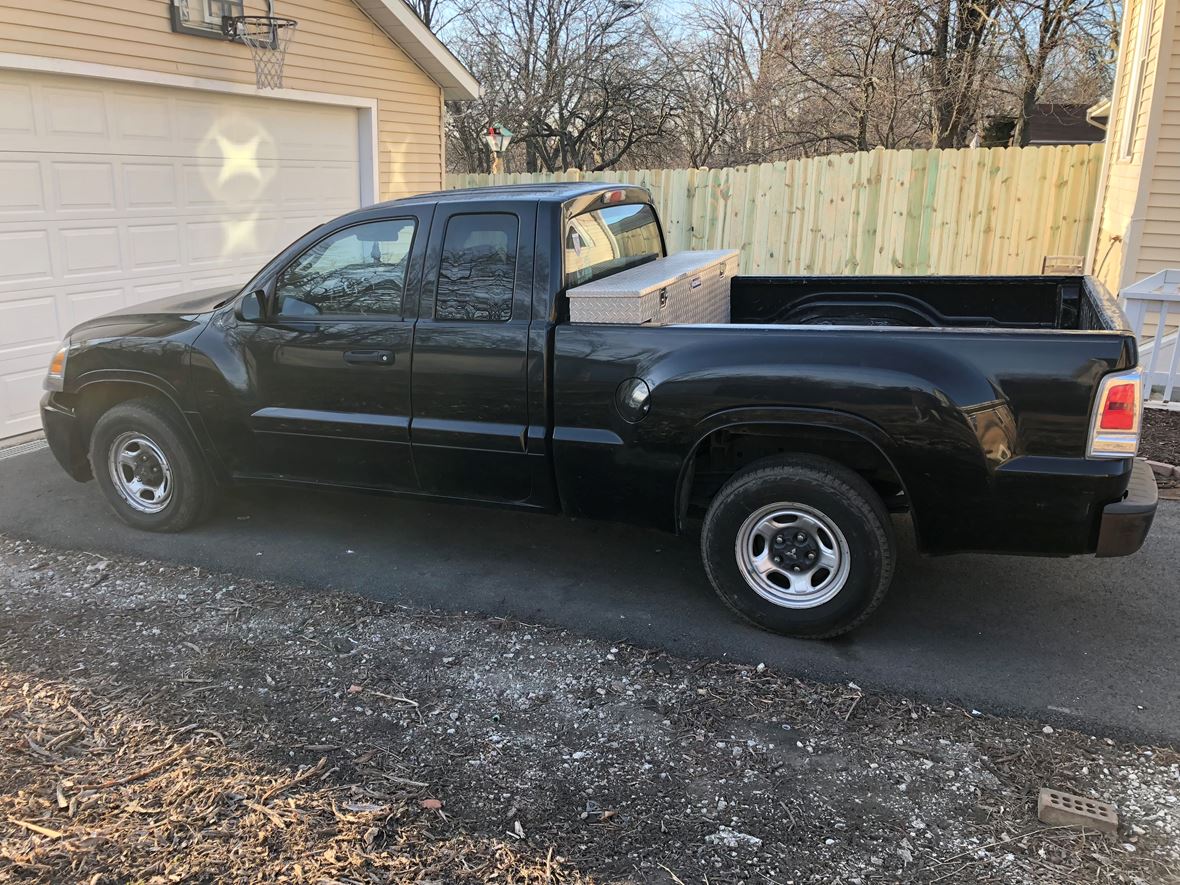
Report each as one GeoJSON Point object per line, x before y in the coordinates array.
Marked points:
{"type": "Point", "coordinates": [477, 273]}
{"type": "Point", "coordinates": [608, 240]}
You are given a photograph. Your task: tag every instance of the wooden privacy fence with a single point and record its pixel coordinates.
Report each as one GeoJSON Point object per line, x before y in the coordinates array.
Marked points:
{"type": "Point", "coordinates": [969, 211]}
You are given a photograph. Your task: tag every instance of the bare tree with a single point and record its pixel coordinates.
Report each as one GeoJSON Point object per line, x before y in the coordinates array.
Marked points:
{"type": "Point", "coordinates": [439, 14]}
{"type": "Point", "coordinates": [1044, 33]}
{"type": "Point", "coordinates": [576, 80]}
{"type": "Point", "coordinates": [597, 84]}
{"type": "Point", "coordinates": [860, 80]}
{"type": "Point", "coordinates": [955, 42]}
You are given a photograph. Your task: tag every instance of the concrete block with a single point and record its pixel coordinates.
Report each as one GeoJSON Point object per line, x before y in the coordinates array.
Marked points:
{"type": "Point", "coordinates": [1060, 809]}
{"type": "Point", "coordinates": [1161, 469]}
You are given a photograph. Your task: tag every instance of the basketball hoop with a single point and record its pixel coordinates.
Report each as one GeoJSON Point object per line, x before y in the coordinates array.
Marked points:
{"type": "Point", "coordinates": [268, 38]}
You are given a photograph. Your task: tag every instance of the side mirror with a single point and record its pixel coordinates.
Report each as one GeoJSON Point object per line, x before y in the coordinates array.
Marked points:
{"type": "Point", "coordinates": [257, 306]}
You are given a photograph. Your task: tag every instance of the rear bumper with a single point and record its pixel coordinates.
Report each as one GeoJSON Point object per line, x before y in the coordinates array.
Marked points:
{"type": "Point", "coordinates": [65, 441]}
{"type": "Point", "coordinates": [1125, 523]}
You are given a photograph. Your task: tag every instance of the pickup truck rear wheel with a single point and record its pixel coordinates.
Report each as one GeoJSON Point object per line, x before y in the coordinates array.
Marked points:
{"type": "Point", "coordinates": [149, 468]}
{"type": "Point", "coordinates": [800, 546]}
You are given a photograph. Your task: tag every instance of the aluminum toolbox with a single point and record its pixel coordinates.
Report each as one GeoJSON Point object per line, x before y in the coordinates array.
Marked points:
{"type": "Point", "coordinates": [688, 287]}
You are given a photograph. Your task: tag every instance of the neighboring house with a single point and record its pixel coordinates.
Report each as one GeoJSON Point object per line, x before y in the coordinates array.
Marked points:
{"type": "Point", "coordinates": [138, 159]}
{"type": "Point", "coordinates": [1137, 217]}
{"type": "Point", "coordinates": [1062, 124]}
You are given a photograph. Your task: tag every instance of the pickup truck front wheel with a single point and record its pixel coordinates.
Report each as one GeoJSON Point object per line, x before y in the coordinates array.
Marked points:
{"type": "Point", "coordinates": [149, 468]}
{"type": "Point", "coordinates": [800, 546]}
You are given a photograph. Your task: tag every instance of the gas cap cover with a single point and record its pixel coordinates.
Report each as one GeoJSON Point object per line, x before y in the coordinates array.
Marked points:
{"type": "Point", "coordinates": [633, 400]}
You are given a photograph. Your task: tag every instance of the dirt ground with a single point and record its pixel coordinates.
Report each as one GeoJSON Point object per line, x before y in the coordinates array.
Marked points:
{"type": "Point", "coordinates": [162, 724]}
{"type": "Point", "coordinates": [1161, 439]}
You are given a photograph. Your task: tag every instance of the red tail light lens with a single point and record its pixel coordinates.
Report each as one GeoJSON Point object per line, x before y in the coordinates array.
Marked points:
{"type": "Point", "coordinates": [1118, 411]}
{"type": "Point", "coordinates": [1114, 428]}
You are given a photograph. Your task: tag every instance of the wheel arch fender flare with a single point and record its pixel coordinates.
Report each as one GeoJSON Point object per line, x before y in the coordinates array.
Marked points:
{"type": "Point", "coordinates": [830, 420]}
{"type": "Point", "coordinates": [106, 379]}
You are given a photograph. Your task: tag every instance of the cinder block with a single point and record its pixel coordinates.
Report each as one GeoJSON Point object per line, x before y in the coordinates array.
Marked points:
{"type": "Point", "coordinates": [1060, 809]}
{"type": "Point", "coordinates": [1161, 469]}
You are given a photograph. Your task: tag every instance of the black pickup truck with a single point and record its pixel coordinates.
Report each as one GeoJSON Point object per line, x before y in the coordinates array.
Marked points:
{"type": "Point", "coordinates": [424, 347]}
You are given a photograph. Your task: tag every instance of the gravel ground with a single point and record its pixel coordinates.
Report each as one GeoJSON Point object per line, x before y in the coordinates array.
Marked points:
{"type": "Point", "coordinates": [162, 724]}
{"type": "Point", "coordinates": [1161, 439]}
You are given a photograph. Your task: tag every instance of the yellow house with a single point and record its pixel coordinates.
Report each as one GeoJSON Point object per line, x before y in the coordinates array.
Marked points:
{"type": "Point", "coordinates": [1137, 229]}
{"type": "Point", "coordinates": [139, 159]}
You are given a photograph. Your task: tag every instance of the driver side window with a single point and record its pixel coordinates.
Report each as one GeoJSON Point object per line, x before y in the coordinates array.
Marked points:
{"type": "Point", "coordinates": [360, 270]}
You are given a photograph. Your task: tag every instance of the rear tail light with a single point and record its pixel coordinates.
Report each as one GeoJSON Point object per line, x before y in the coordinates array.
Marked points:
{"type": "Point", "coordinates": [1118, 416]}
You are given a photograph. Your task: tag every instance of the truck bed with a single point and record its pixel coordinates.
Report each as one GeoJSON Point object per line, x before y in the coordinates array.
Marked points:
{"type": "Point", "coordinates": [1074, 303]}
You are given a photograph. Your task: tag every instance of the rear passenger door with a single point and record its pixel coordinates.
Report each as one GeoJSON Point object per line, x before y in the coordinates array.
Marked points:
{"type": "Point", "coordinates": [469, 430]}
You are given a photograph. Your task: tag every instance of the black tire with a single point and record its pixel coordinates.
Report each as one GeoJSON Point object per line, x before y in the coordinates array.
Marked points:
{"type": "Point", "coordinates": [837, 494]}
{"type": "Point", "coordinates": [191, 487]}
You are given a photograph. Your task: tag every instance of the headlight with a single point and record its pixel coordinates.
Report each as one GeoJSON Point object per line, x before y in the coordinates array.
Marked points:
{"type": "Point", "coordinates": [56, 378]}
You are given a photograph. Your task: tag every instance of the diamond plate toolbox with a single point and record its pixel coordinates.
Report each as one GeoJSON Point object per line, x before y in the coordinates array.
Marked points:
{"type": "Point", "coordinates": [688, 287]}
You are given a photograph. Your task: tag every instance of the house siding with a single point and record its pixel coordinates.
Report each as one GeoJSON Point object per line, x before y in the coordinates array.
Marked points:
{"type": "Point", "coordinates": [336, 49]}
{"type": "Point", "coordinates": [1160, 243]}
{"type": "Point", "coordinates": [1120, 217]}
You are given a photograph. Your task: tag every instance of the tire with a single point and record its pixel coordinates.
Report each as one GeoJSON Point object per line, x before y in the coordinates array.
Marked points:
{"type": "Point", "coordinates": [177, 490]}
{"type": "Point", "coordinates": [845, 564]}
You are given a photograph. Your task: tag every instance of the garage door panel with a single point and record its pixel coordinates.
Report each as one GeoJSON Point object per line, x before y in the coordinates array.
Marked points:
{"type": "Point", "coordinates": [20, 184]}
{"type": "Point", "coordinates": [81, 186]}
{"type": "Point", "coordinates": [154, 246]}
{"type": "Point", "coordinates": [16, 109]}
{"type": "Point", "coordinates": [149, 186]}
{"type": "Point", "coordinates": [27, 321]}
{"type": "Point", "coordinates": [117, 193]}
{"type": "Point", "coordinates": [20, 393]}
{"type": "Point", "coordinates": [25, 257]}
{"type": "Point", "coordinates": [221, 183]}
{"type": "Point", "coordinates": [142, 118]}
{"type": "Point", "coordinates": [149, 291]}
{"type": "Point", "coordinates": [86, 304]}
{"type": "Point", "coordinates": [90, 250]}
{"type": "Point", "coordinates": [74, 115]}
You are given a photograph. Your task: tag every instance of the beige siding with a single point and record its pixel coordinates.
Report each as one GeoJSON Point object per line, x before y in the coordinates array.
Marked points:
{"type": "Point", "coordinates": [336, 49]}
{"type": "Point", "coordinates": [1128, 240]}
{"type": "Point", "coordinates": [1160, 244]}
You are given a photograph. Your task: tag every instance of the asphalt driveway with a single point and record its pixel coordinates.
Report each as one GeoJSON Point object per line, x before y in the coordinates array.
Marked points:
{"type": "Point", "coordinates": [1089, 643]}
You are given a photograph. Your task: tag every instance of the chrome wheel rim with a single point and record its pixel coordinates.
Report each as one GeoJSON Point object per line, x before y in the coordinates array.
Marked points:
{"type": "Point", "coordinates": [140, 472]}
{"type": "Point", "coordinates": [792, 555]}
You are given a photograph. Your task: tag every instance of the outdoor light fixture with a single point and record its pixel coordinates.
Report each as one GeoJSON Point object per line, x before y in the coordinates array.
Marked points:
{"type": "Point", "coordinates": [498, 138]}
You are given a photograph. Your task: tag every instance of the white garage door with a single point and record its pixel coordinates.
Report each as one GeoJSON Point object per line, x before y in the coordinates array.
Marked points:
{"type": "Point", "coordinates": [116, 193]}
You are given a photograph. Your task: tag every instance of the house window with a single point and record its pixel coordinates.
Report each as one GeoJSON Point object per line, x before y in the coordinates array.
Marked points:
{"type": "Point", "coordinates": [1134, 95]}
{"type": "Point", "coordinates": [203, 17]}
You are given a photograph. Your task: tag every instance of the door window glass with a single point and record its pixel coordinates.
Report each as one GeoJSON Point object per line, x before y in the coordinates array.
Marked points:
{"type": "Point", "coordinates": [477, 273]}
{"type": "Point", "coordinates": [359, 270]}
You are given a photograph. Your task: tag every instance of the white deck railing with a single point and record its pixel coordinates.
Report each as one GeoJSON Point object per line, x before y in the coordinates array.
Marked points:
{"type": "Point", "coordinates": [1153, 308]}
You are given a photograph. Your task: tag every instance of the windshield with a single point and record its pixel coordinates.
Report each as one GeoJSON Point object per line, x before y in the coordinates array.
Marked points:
{"type": "Point", "coordinates": [608, 240]}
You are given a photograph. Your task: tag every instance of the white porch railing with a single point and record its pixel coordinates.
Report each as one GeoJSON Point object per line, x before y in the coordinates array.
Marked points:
{"type": "Point", "coordinates": [1153, 308]}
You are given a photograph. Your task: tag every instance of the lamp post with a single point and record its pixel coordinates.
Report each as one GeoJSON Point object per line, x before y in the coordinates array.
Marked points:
{"type": "Point", "coordinates": [498, 138]}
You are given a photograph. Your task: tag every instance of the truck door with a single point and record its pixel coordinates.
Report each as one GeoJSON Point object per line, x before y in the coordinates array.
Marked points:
{"type": "Point", "coordinates": [328, 389]}
{"type": "Point", "coordinates": [470, 424]}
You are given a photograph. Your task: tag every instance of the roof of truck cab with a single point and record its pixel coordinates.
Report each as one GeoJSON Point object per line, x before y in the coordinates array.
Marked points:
{"type": "Point", "coordinates": [546, 192]}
